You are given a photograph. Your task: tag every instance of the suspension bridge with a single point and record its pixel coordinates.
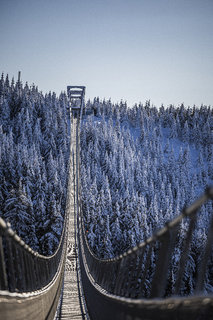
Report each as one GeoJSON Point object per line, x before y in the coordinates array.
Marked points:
{"type": "Point", "coordinates": [74, 284]}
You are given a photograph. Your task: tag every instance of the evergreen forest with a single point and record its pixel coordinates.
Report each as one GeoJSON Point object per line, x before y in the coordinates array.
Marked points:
{"type": "Point", "coordinates": [34, 153]}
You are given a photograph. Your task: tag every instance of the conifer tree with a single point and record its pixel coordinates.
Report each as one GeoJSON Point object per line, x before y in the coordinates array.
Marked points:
{"type": "Point", "coordinates": [18, 211]}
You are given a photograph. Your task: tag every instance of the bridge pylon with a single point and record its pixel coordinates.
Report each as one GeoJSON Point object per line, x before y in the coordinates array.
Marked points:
{"type": "Point", "coordinates": [76, 96]}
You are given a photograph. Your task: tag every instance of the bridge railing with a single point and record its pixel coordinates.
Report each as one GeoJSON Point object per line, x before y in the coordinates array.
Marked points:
{"type": "Point", "coordinates": [143, 271]}
{"type": "Point", "coordinates": [21, 268]}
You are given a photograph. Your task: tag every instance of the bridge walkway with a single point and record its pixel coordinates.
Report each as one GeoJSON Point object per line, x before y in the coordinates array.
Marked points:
{"type": "Point", "coordinates": [71, 304]}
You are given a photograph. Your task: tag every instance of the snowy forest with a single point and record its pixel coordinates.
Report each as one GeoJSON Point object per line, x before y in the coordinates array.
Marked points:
{"type": "Point", "coordinates": [140, 167]}
{"type": "Point", "coordinates": [34, 152]}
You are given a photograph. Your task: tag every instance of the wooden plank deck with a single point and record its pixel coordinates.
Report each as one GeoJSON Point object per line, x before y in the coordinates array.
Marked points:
{"type": "Point", "coordinates": [71, 305]}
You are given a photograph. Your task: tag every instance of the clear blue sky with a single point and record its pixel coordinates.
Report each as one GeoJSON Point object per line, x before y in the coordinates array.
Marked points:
{"type": "Point", "coordinates": [133, 50]}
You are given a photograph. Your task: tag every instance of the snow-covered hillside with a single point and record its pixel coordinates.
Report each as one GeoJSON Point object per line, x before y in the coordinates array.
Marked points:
{"type": "Point", "coordinates": [139, 168]}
